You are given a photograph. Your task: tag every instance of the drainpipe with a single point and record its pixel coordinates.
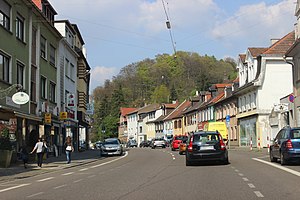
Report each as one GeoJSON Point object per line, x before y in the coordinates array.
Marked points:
{"type": "Point", "coordinates": [294, 89]}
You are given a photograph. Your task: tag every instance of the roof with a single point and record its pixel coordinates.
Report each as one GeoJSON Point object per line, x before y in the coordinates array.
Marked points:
{"type": "Point", "coordinates": [222, 85]}
{"type": "Point", "coordinates": [125, 111]}
{"type": "Point", "coordinates": [256, 51]}
{"type": "Point", "coordinates": [242, 57]}
{"type": "Point", "coordinates": [282, 45]}
{"type": "Point", "coordinates": [149, 108]}
{"type": "Point", "coordinates": [178, 112]}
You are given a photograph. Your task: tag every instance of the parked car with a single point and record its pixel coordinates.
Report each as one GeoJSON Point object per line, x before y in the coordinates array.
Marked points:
{"type": "Point", "coordinates": [131, 143]}
{"type": "Point", "coordinates": [182, 146]}
{"type": "Point", "coordinates": [205, 146]}
{"type": "Point", "coordinates": [112, 146]}
{"type": "Point", "coordinates": [286, 146]}
{"type": "Point", "coordinates": [176, 141]}
{"type": "Point", "coordinates": [98, 144]}
{"type": "Point", "coordinates": [145, 143]}
{"type": "Point", "coordinates": [158, 142]}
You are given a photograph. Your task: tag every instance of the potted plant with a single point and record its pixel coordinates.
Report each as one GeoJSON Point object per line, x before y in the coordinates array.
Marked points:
{"type": "Point", "coordinates": [5, 149]}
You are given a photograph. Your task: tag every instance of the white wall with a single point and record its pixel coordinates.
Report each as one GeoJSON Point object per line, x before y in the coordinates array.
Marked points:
{"type": "Point", "coordinates": [278, 82]}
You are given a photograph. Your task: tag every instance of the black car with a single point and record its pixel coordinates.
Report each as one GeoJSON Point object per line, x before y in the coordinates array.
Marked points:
{"type": "Point", "coordinates": [286, 146]}
{"type": "Point", "coordinates": [145, 143]}
{"type": "Point", "coordinates": [205, 146]}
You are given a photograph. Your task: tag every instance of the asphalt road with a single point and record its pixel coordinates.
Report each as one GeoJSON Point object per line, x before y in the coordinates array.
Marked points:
{"type": "Point", "coordinates": [162, 174]}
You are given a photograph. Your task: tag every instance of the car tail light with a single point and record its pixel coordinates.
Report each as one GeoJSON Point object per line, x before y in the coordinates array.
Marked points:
{"type": "Point", "coordinates": [289, 144]}
{"type": "Point", "coordinates": [222, 145]}
{"type": "Point", "coordinates": [190, 147]}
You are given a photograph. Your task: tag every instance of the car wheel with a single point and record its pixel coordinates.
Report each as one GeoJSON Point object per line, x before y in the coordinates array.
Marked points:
{"type": "Point", "coordinates": [188, 163]}
{"type": "Point", "coordinates": [282, 159]}
{"type": "Point", "coordinates": [272, 159]}
{"type": "Point", "coordinates": [226, 161]}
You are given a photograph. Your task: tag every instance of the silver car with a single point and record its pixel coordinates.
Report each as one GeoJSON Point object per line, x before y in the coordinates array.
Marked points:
{"type": "Point", "coordinates": [112, 146]}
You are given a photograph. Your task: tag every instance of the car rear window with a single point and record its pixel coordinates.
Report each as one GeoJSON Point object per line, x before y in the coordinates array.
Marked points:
{"type": "Point", "coordinates": [111, 142]}
{"type": "Point", "coordinates": [183, 137]}
{"type": "Point", "coordinates": [206, 138]}
{"type": "Point", "coordinates": [295, 134]}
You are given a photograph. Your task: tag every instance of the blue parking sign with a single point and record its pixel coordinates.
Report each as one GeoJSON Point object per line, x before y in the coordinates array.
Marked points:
{"type": "Point", "coordinates": [227, 118]}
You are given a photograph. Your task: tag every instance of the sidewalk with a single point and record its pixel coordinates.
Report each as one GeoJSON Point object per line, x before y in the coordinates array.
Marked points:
{"type": "Point", "coordinates": [17, 170]}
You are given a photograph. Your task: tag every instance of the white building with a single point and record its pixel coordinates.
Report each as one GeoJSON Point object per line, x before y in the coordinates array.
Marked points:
{"type": "Point", "coordinates": [265, 77]}
{"type": "Point", "coordinates": [67, 77]}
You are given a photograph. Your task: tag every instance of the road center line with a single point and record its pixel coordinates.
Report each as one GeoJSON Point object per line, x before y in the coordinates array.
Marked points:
{"type": "Point", "coordinates": [278, 166]}
{"type": "Point", "coordinates": [84, 169]}
{"type": "Point", "coordinates": [69, 173]}
{"type": "Point", "coordinates": [14, 187]}
{"type": "Point", "coordinates": [45, 179]}
{"type": "Point", "coordinates": [258, 194]}
{"type": "Point", "coordinates": [251, 185]}
{"type": "Point", "coordinates": [33, 195]}
{"type": "Point", "coordinates": [77, 181]}
{"type": "Point", "coordinates": [245, 179]}
{"type": "Point", "coordinates": [60, 186]}
{"type": "Point", "coordinates": [240, 174]}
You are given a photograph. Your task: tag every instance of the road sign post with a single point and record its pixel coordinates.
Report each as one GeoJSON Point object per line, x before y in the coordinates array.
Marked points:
{"type": "Point", "coordinates": [228, 127]}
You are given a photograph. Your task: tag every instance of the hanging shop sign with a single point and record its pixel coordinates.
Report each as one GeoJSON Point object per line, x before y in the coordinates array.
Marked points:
{"type": "Point", "coordinates": [63, 115]}
{"type": "Point", "coordinates": [47, 118]}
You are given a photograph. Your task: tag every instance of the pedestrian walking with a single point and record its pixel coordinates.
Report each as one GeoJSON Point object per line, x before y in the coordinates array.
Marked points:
{"type": "Point", "coordinates": [69, 149]}
{"type": "Point", "coordinates": [39, 147]}
{"type": "Point", "coordinates": [24, 155]}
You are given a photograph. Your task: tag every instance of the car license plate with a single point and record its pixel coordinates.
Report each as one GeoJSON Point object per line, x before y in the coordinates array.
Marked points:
{"type": "Point", "coordinates": [207, 148]}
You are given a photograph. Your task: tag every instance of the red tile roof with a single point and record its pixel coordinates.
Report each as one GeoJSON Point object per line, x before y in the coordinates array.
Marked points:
{"type": "Point", "coordinates": [282, 45]}
{"type": "Point", "coordinates": [125, 111]}
{"type": "Point", "coordinates": [222, 85]}
{"type": "Point", "coordinates": [179, 110]}
{"type": "Point", "coordinates": [242, 57]}
{"type": "Point", "coordinates": [256, 51]}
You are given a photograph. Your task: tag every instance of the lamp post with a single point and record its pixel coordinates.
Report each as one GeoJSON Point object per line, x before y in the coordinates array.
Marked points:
{"type": "Point", "coordinates": [19, 97]}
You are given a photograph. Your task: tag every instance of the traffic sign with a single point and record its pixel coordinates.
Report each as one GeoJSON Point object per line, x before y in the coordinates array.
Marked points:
{"type": "Point", "coordinates": [227, 118]}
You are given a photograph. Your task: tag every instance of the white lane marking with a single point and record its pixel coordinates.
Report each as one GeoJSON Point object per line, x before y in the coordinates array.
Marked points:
{"type": "Point", "coordinates": [126, 153]}
{"type": "Point", "coordinates": [279, 167]}
{"type": "Point", "coordinates": [84, 169]}
{"type": "Point", "coordinates": [69, 173]}
{"type": "Point", "coordinates": [251, 185]}
{"type": "Point", "coordinates": [77, 181]}
{"type": "Point", "coordinates": [258, 194]}
{"type": "Point", "coordinates": [33, 195]}
{"type": "Point", "coordinates": [59, 186]}
{"type": "Point", "coordinates": [236, 170]}
{"type": "Point", "coordinates": [245, 179]}
{"type": "Point", "coordinates": [240, 174]}
{"type": "Point", "coordinates": [91, 176]}
{"type": "Point", "coordinates": [14, 187]}
{"type": "Point", "coordinates": [45, 179]}
{"type": "Point", "coordinates": [173, 158]}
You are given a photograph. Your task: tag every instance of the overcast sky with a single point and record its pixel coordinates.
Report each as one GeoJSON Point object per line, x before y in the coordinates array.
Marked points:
{"type": "Point", "coordinates": [120, 32]}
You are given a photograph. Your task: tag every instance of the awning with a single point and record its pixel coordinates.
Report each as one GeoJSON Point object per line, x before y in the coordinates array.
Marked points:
{"type": "Point", "coordinates": [27, 116]}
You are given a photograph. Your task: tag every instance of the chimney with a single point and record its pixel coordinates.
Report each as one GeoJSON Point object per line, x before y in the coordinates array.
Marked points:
{"type": "Point", "coordinates": [38, 3]}
{"type": "Point", "coordinates": [273, 41]}
{"type": "Point", "coordinates": [207, 96]}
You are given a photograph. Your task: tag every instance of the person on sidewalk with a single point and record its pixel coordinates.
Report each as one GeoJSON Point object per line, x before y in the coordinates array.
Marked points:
{"type": "Point", "coordinates": [39, 148]}
{"type": "Point", "coordinates": [69, 148]}
{"type": "Point", "coordinates": [24, 155]}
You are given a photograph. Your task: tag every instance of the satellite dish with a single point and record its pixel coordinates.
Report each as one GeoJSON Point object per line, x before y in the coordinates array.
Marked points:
{"type": "Point", "coordinates": [20, 98]}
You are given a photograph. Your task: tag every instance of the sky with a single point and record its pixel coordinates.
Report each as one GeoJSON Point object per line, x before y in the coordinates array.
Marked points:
{"type": "Point", "coordinates": [120, 32]}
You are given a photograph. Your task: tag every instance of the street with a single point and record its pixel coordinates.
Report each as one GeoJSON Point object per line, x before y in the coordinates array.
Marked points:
{"type": "Point", "coordinates": [144, 173]}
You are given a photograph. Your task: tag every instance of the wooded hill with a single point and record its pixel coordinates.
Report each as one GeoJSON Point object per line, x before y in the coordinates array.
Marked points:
{"type": "Point", "coordinates": [160, 80]}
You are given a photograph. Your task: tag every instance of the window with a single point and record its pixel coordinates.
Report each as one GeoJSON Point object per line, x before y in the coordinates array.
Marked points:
{"type": "Point", "coordinates": [43, 47]}
{"type": "Point", "coordinates": [4, 15]}
{"type": "Point", "coordinates": [52, 55]}
{"type": "Point", "coordinates": [33, 45]}
{"type": "Point", "coordinates": [43, 87]}
{"type": "Point", "coordinates": [20, 28]}
{"type": "Point", "coordinates": [20, 73]}
{"type": "Point", "coordinates": [33, 84]}
{"type": "Point", "coordinates": [67, 67]}
{"type": "Point", "coordinates": [4, 68]}
{"type": "Point", "coordinates": [52, 92]}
